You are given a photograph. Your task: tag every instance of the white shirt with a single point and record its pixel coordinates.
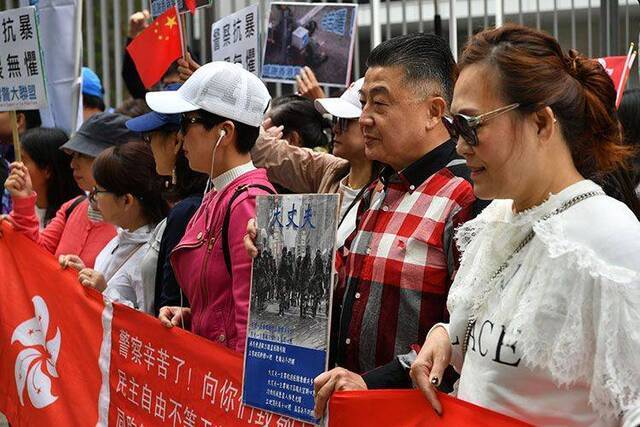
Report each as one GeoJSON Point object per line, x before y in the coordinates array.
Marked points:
{"type": "Point", "coordinates": [149, 266]}
{"type": "Point", "coordinates": [40, 213]}
{"type": "Point", "coordinates": [119, 262]}
{"type": "Point", "coordinates": [349, 222]}
{"type": "Point", "coordinates": [557, 340]}
{"type": "Point", "coordinates": [226, 178]}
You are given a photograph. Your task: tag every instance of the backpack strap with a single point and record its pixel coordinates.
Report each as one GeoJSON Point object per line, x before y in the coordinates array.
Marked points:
{"type": "Point", "coordinates": [227, 218]}
{"type": "Point", "coordinates": [73, 205]}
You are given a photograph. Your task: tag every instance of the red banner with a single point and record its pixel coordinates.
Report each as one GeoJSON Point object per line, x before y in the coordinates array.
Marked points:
{"type": "Point", "coordinates": [618, 68]}
{"type": "Point", "coordinates": [69, 358]}
{"type": "Point", "coordinates": [382, 408]}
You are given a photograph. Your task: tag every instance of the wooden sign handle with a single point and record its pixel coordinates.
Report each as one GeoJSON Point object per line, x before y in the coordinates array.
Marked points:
{"type": "Point", "coordinates": [16, 138]}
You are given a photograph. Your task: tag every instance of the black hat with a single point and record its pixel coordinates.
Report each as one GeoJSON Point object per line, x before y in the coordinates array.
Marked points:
{"type": "Point", "coordinates": [100, 132]}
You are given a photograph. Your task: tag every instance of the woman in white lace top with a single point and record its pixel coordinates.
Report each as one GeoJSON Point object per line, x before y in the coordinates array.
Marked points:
{"type": "Point", "coordinates": [545, 308]}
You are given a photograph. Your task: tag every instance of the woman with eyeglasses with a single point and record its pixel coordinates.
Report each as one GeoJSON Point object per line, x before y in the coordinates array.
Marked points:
{"type": "Point", "coordinates": [77, 228]}
{"type": "Point", "coordinates": [182, 188]}
{"type": "Point", "coordinates": [128, 195]}
{"type": "Point", "coordinates": [545, 308]}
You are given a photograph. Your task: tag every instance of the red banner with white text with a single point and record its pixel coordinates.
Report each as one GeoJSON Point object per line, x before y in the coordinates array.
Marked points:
{"type": "Point", "coordinates": [69, 358]}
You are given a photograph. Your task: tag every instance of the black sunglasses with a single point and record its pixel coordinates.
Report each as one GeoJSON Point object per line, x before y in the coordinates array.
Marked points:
{"type": "Point", "coordinates": [466, 127]}
{"type": "Point", "coordinates": [341, 123]}
{"type": "Point", "coordinates": [186, 121]}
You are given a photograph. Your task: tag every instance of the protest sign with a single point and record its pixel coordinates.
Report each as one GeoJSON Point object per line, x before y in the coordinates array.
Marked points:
{"type": "Point", "coordinates": [235, 38]}
{"type": "Point", "coordinates": [22, 79]}
{"type": "Point", "coordinates": [318, 35]}
{"type": "Point", "coordinates": [288, 332]}
{"type": "Point", "coordinates": [158, 7]}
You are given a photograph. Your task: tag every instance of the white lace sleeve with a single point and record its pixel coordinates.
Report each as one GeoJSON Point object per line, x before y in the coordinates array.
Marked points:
{"type": "Point", "coordinates": [578, 317]}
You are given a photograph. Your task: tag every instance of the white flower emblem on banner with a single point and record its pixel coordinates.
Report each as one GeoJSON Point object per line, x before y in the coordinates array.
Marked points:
{"type": "Point", "coordinates": [36, 364]}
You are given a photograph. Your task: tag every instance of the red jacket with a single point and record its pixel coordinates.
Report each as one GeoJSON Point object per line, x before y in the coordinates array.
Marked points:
{"type": "Point", "coordinates": [219, 300]}
{"type": "Point", "coordinates": [77, 234]}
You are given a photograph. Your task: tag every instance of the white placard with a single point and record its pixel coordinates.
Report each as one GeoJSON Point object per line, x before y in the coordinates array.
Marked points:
{"type": "Point", "coordinates": [235, 38]}
{"type": "Point", "coordinates": [22, 85]}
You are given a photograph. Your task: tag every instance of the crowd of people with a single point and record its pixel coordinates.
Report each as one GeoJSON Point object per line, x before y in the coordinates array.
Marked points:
{"type": "Point", "coordinates": [488, 235]}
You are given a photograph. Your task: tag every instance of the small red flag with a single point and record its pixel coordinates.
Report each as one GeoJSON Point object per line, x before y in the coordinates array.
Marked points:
{"type": "Point", "coordinates": [157, 47]}
{"type": "Point", "coordinates": [191, 5]}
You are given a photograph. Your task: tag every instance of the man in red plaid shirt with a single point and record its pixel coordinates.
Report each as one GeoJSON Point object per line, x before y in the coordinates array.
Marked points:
{"type": "Point", "coordinates": [398, 264]}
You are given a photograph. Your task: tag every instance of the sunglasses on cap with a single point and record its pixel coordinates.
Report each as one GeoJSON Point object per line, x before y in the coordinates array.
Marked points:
{"type": "Point", "coordinates": [186, 121]}
{"type": "Point", "coordinates": [466, 127]}
{"type": "Point", "coordinates": [341, 123]}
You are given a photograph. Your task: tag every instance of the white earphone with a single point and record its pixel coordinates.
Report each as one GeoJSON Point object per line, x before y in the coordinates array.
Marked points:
{"type": "Point", "coordinates": [222, 133]}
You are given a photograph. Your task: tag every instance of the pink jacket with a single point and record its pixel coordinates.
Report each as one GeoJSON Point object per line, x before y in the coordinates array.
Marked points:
{"type": "Point", "coordinates": [219, 301]}
{"type": "Point", "coordinates": [76, 235]}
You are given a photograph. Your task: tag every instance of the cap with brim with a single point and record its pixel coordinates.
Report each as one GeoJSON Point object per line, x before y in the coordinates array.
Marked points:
{"type": "Point", "coordinates": [152, 121]}
{"type": "Point", "coordinates": [99, 132]}
{"type": "Point", "coordinates": [85, 145]}
{"type": "Point", "coordinates": [337, 107]}
{"type": "Point", "coordinates": [169, 102]}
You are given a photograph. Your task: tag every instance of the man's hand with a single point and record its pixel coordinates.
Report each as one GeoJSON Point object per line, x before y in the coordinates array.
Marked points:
{"type": "Point", "coordinates": [18, 184]}
{"type": "Point", "coordinates": [175, 316]}
{"type": "Point", "coordinates": [93, 279]}
{"type": "Point", "coordinates": [428, 368]}
{"type": "Point", "coordinates": [337, 379]}
{"type": "Point", "coordinates": [138, 22]}
{"type": "Point", "coordinates": [186, 67]}
{"type": "Point", "coordinates": [308, 86]}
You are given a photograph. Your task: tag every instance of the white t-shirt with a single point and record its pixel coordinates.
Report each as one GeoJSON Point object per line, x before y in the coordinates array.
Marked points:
{"type": "Point", "coordinates": [349, 223]}
{"type": "Point", "coordinates": [557, 339]}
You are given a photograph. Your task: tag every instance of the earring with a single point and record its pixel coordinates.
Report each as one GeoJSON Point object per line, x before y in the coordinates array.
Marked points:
{"type": "Point", "coordinates": [173, 177]}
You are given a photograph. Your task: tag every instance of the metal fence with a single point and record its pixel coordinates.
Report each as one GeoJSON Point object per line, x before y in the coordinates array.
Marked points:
{"type": "Point", "coordinates": [594, 27]}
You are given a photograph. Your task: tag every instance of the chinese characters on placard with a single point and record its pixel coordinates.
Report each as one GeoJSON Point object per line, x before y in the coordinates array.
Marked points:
{"type": "Point", "coordinates": [235, 39]}
{"type": "Point", "coordinates": [292, 213]}
{"type": "Point", "coordinates": [21, 74]}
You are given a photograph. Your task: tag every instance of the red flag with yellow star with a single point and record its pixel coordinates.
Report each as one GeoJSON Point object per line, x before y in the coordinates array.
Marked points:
{"type": "Point", "coordinates": [157, 47]}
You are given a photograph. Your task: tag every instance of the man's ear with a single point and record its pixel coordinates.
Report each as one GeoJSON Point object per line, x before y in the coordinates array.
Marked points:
{"type": "Point", "coordinates": [437, 109]}
{"type": "Point", "coordinates": [225, 131]}
{"type": "Point", "coordinates": [21, 119]}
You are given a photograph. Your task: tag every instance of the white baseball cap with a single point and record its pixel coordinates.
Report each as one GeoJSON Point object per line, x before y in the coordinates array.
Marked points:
{"type": "Point", "coordinates": [221, 88]}
{"type": "Point", "coordinates": [347, 106]}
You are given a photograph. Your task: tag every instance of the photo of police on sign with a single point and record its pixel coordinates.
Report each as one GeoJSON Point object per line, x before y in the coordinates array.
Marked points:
{"type": "Point", "coordinates": [22, 85]}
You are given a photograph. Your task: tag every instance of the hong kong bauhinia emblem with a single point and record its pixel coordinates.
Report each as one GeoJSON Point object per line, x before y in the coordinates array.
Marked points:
{"type": "Point", "coordinates": [36, 363]}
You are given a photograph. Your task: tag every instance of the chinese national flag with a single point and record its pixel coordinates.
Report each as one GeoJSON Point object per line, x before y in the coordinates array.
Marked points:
{"type": "Point", "coordinates": [157, 47]}
{"type": "Point", "coordinates": [191, 5]}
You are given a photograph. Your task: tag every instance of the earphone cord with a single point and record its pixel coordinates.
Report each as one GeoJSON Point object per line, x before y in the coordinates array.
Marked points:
{"type": "Point", "coordinates": [213, 156]}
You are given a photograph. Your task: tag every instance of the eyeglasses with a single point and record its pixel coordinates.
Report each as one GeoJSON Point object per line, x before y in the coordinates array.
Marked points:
{"type": "Point", "coordinates": [186, 121]}
{"type": "Point", "coordinates": [466, 127]}
{"type": "Point", "coordinates": [341, 123]}
{"type": "Point", "coordinates": [94, 192]}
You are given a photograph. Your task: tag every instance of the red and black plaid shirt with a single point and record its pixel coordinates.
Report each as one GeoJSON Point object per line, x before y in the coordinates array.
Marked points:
{"type": "Point", "coordinates": [398, 264]}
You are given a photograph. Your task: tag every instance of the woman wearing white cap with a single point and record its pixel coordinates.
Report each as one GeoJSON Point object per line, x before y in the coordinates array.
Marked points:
{"type": "Point", "coordinates": [222, 106]}
{"type": "Point", "coordinates": [301, 170]}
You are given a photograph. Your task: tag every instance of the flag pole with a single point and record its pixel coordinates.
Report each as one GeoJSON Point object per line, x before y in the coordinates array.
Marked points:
{"type": "Point", "coordinates": [14, 132]}
{"type": "Point", "coordinates": [182, 22]}
{"type": "Point", "coordinates": [628, 62]}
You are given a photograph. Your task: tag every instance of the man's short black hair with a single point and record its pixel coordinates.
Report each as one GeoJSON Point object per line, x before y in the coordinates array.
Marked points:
{"type": "Point", "coordinates": [247, 135]}
{"type": "Point", "coordinates": [426, 59]}
{"type": "Point", "coordinates": [31, 118]}
{"type": "Point", "coordinates": [92, 101]}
